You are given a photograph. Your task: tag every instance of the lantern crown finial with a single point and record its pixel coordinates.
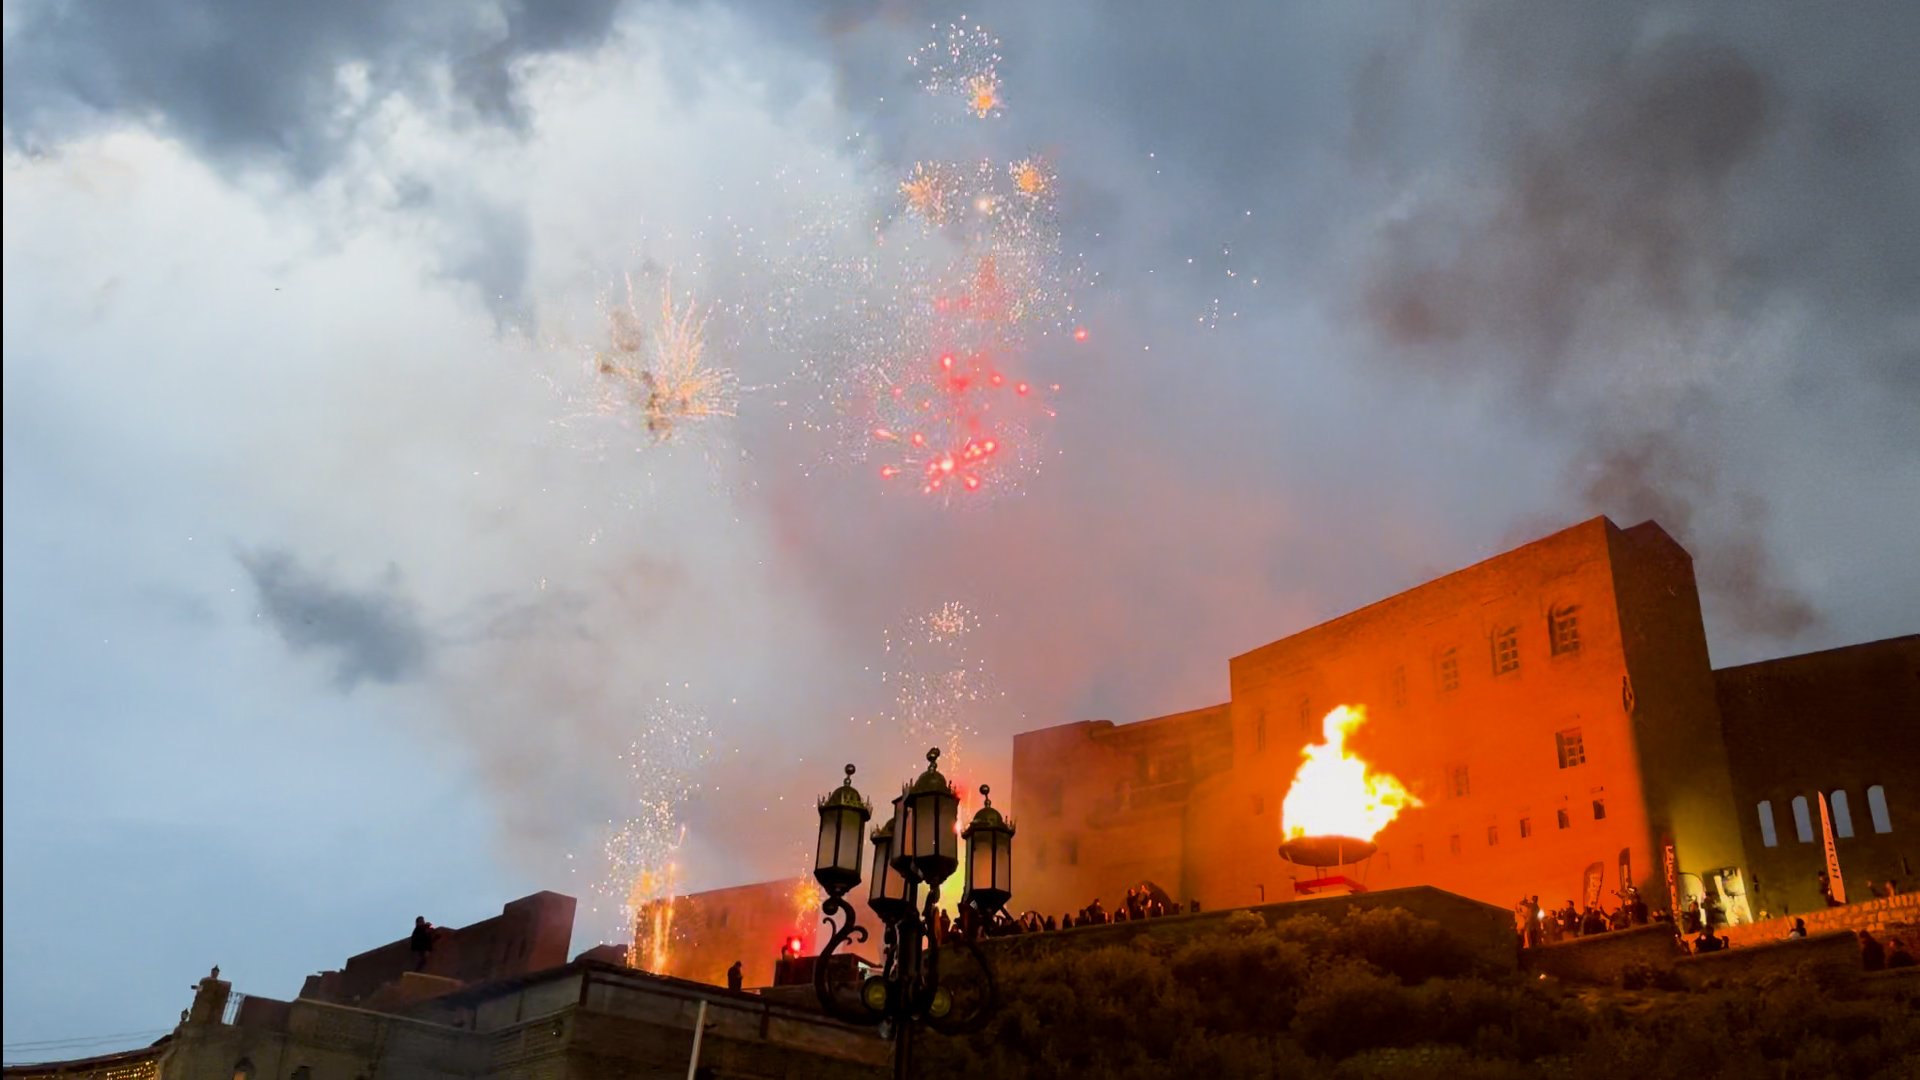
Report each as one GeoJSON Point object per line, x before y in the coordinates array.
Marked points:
{"type": "Point", "coordinates": [987, 817]}
{"type": "Point", "coordinates": [931, 780]}
{"type": "Point", "coordinates": [845, 795]}
{"type": "Point", "coordinates": [984, 792]}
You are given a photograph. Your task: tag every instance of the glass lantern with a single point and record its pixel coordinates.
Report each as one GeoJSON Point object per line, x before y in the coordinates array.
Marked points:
{"type": "Point", "coordinates": [887, 893]}
{"type": "Point", "coordinates": [928, 842]}
{"type": "Point", "coordinates": [989, 859]}
{"type": "Point", "coordinates": [843, 823]}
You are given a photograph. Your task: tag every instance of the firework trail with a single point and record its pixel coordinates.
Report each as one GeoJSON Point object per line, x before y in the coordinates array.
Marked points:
{"type": "Point", "coordinates": [641, 853]}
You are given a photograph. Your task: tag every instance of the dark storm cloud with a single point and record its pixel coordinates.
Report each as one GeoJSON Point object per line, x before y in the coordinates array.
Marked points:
{"type": "Point", "coordinates": [1643, 198]}
{"type": "Point", "coordinates": [242, 79]}
{"type": "Point", "coordinates": [369, 635]}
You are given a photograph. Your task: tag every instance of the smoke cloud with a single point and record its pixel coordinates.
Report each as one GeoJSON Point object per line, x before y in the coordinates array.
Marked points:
{"type": "Point", "coordinates": [369, 635]}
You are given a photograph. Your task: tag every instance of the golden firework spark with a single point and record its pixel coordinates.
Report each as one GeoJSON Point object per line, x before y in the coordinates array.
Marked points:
{"type": "Point", "coordinates": [983, 94]}
{"type": "Point", "coordinates": [676, 384]}
{"type": "Point", "coordinates": [928, 191]}
{"type": "Point", "coordinates": [1031, 177]}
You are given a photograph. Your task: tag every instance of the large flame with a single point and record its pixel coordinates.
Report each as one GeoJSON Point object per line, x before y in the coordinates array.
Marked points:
{"type": "Point", "coordinates": [1335, 793]}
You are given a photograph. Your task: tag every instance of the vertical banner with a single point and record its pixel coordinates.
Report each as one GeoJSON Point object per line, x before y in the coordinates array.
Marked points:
{"type": "Point", "coordinates": [1596, 873]}
{"type": "Point", "coordinates": [1834, 884]}
{"type": "Point", "coordinates": [1672, 867]}
{"type": "Point", "coordinates": [1626, 871]}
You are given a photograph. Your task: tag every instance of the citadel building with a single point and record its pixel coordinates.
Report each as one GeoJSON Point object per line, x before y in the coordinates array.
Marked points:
{"type": "Point", "coordinates": [1555, 711]}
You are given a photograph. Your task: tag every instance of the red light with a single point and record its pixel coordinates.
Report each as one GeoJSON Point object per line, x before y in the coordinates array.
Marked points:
{"type": "Point", "coordinates": [1021, 388]}
{"type": "Point", "coordinates": [794, 945]}
{"type": "Point", "coordinates": [1079, 333]}
{"type": "Point", "coordinates": [973, 483]}
{"type": "Point", "coordinates": [888, 472]}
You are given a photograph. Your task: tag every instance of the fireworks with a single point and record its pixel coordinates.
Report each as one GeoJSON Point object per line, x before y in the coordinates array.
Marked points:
{"type": "Point", "coordinates": [642, 850]}
{"type": "Point", "coordinates": [673, 385]}
{"type": "Point", "coordinates": [963, 64]}
{"type": "Point", "coordinates": [939, 689]}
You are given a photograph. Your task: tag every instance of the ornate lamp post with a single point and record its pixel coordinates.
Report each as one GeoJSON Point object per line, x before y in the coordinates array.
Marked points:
{"type": "Point", "coordinates": [917, 848]}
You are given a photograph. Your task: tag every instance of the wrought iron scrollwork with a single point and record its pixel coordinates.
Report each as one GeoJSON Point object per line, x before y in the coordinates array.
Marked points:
{"type": "Point", "coordinates": [822, 964]}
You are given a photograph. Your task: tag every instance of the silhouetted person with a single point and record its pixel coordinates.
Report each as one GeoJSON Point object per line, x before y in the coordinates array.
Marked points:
{"type": "Point", "coordinates": [1826, 890]}
{"type": "Point", "coordinates": [1066, 921]}
{"type": "Point", "coordinates": [736, 976]}
{"type": "Point", "coordinates": [421, 942]}
{"type": "Point", "coordinates": [1873, 955]}
{"type": "Point", "coordinates": [1193, 907]}
{"type": "Point", "coordinates": [1636, 908]}
{"type": "Point", "coordinates": [1049, 925]}
{"type": "Point", "coordinates": [1898, 956]}
{"type": "Point", "coordinates": [942, 927]}
{"type": "Point", "coordinates": [1799, 929]}
{"type": "Point", "coordinates": [1707, 943]}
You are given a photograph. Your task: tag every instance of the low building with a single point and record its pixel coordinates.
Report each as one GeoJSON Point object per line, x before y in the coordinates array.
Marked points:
{"type": "Point", "coordinates": [494, 1001]}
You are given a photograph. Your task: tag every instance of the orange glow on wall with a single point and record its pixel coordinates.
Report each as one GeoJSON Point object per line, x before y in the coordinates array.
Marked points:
{"type": "Point", "coordinates": [1337, 794]}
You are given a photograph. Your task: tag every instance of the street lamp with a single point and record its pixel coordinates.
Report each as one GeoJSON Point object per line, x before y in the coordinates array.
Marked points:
{"type": "Point", "coordinates": [918, 847]}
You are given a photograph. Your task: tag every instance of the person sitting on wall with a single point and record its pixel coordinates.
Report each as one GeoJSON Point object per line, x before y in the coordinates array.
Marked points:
{"type": "Point", "coordinates": [1873, 955]}
{"type": "Point", "coordinates": [1636, 907]}
{"type": "Point", "coordinates": [1898, 956]}
{"type": "Point", "coordinates": [1826, 890]}
{"type": "Point", "coordinates": [736, 977]}
{"type": "Point", "coordinates": [1799, 929]}
{"type": "Point", "coordinates": [1886, 889]}
{"type": "Point", "coordinates": [1707, 942]}
{"type": "Point", "coordinates": [422, 941]}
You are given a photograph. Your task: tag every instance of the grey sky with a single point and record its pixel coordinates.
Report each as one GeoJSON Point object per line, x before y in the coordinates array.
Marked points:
{"type": "Point", "coordinates": [323, 610]}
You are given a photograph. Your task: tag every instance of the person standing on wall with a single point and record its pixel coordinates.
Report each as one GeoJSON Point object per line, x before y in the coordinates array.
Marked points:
{"type": "Point", "coordinates": [422, 942]}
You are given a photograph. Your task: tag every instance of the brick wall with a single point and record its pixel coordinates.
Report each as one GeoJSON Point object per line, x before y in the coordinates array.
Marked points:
{"type": "Point", "coordinates": [1881, 918]}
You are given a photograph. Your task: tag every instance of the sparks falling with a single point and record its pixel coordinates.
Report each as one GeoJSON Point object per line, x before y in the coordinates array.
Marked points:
{"type": "Point", "coordinates": [939, 687]}
{"type": "Point", "coordinates": [642, 850]}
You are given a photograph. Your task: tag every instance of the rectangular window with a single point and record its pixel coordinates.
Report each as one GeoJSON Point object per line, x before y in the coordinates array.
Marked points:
{"type": "Point", "coordinates": [1563, 627]}
{"type": "Point", "coordinates": [1453, 843]}
{"type": "Point", "coordinates": [1040, 855]}
{"type": "Point", "coordinates": [1599, 809]}
{"type": "Point", "coordinates": [1768, 837]}
{"type": "Point", "coordinates": [1450, 670]}
{"type": "Point", "coordinates": [1571, 747]}
{"type": "Point", "coordinates": [1506, 650]}
{"type": "Point", "coordinates": [1386, 861]}
{"type": "Point", "coordinates": [1260, 732]}
{"type": "Point", "coordinates": [1526, 828]}
{"type": "Point", "coordinates": [1050, 798]}
{"type": "Point", "coordinates": [1259, 805]}
{"type": "Point", "coordinates": [1419, 853]}
{"type": "Point", "coordinates": [1493, 835]}
{"type": "Point", "coordinates": [1070, 852]}
{"type": "Point", "coordinates": [1400, 685]}
{"type": "Point", "coordinates": [1457, 782]}
{"type": "Point", "coordinates": [1306, 715]}
{"type": "Point", "coordinates": [1564, 819]}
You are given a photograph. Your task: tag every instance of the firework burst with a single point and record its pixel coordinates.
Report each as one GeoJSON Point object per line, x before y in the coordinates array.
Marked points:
{"type": "Point", "coordinates": [670, 385]}
{"type": "Point", "coordinates": [962, 64]}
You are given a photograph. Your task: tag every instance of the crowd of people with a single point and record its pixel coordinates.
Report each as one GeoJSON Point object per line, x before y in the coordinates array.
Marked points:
{"type": "Point", "coordinates": [1141, 903]}
{"type": "Point", "coordinates": [1538, 926]}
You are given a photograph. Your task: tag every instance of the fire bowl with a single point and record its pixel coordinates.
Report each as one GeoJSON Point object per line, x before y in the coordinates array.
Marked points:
{"type": "Point", "coordinates": [1326, 850]}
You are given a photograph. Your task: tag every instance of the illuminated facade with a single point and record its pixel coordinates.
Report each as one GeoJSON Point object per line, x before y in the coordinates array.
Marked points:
{"type": "Point", "coordinates": [1553, 708]}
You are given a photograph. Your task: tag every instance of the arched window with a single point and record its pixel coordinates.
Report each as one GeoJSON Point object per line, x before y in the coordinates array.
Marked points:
{"type": "Point", "coordinates": [1802, 821]}
{"type": "Point", "coordinates": [1877, 809]}
{"type": "Point", "coordinates": [1767, 835]}
{"type": "Point", "coordinates": [1842, 817]}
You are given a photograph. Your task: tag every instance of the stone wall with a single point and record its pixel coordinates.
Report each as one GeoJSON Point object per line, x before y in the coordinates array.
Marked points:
{"type": "Point", "coordinates": [1823, 957]}
{"type": "Point", "coordinates": [1486, 930]}
{"type": "Point", "coordinates": [532, 933]}
{"type": "Point", "coordinates": [1606, 958]}
{"type": "Point", "coordinates": [1882, 918]}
